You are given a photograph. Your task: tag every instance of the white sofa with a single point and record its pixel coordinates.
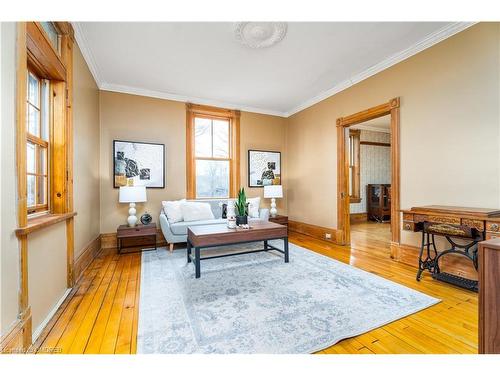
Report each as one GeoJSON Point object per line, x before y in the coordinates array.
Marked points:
{"type": "Point", "coordinates": [177, 232]}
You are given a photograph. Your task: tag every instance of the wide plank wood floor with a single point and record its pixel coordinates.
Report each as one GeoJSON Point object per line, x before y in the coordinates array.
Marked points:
{"type": "Point", "coordinates": [101, 313]}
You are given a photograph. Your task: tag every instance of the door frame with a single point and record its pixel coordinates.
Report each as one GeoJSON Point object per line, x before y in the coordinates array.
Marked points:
{"type": "Point", "coordinates": [343, 221]}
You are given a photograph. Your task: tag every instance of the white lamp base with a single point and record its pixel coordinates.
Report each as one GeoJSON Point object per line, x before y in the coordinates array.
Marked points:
{"type": "Point", "coordinates": [273, 211]}
{"type": "Point", "coordinates": [132, 219]}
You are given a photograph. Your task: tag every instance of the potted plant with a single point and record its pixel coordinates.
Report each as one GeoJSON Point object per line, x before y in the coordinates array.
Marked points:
{"type": "Point", "coordinates": [241, 208]}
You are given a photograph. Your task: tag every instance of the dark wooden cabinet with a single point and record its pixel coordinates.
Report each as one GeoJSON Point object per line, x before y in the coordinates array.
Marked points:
{"type": "Point", "coordinates": [137, 237]}
{"type": "Point", "coordinates": [279, 219]}
{"type": "Point", "coordinates": [378, 202]}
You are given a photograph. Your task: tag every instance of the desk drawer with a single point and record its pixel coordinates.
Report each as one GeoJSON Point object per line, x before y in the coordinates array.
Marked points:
{"type": "Point", "coordinates": [478, 224]}
{"type": "Point", "coordinates": [490, 235]}
{"type": "Point", "coordinates": [492, 226]}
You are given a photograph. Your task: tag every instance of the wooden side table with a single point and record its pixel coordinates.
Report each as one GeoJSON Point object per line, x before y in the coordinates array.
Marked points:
{"type": "Point", "coordinates": [138, 236]}
{"type": "Point", "coordinates": [279, 219]}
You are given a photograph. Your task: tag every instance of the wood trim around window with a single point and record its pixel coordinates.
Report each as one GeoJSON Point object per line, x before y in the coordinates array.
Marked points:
{"type": "Point", "coordinates": [195, 110]}
{"type": "Point", "coordinates": [354, 165]}
{"type": "Point", "coordinates": [35, 50]}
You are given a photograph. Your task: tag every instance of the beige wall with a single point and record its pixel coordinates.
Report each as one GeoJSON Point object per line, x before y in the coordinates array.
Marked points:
{"type": "Point", "coordinates": [131, 117]}
{"type": "Point", "coordinates": [9, 250]}
{"type": "Point", "coordinates": [449, 130]}
{"type": "Point", "coordinates": [46, 270]}
{"type": "Point", "coordinates": [263, 132]}
{"type": "Point", "coordinates": [137, 118]}
{"type": "Point", "coordinates": [86, 153]}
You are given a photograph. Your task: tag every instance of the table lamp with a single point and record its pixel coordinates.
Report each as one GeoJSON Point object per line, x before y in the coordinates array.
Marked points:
{"type": "Point", "coordinates": [132, 195]}
{"type": "Point", "coordinates": [273, 191]}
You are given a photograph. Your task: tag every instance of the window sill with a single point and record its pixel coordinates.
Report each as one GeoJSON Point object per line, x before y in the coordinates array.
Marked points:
{"type": "Point", "coordinates": [40, 222]}
{"type": "Point", "coordinates": [354, 200]}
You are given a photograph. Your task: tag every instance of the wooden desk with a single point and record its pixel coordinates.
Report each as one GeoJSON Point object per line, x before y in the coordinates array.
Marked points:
{"type": "Point", "coordinates": [485, 220]}
{"type": "Point", "coordinates": [451, 222]}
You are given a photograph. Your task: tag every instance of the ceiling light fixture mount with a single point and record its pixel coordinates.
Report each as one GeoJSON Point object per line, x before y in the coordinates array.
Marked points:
{"type": "Point", "coordinates": [260, 34]}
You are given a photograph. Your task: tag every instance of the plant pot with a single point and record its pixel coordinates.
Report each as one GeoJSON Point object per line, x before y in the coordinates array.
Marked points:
{"type": "Point", "coordinates": [241, 220]}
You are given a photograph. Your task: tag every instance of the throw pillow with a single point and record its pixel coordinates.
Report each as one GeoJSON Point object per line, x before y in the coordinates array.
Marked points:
{"type": "Point", "coordinates": [231, 210]}
{"type": "Point", "coordinates": [172, 210]}
{"type": "Point", "coordinates": [253, 207]}
{"type": "Point", "coordinates": [193, 211]}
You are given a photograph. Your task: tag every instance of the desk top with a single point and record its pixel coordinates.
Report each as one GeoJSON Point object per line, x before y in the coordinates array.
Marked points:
{"type": "Point", "coordinates": [456, 211]}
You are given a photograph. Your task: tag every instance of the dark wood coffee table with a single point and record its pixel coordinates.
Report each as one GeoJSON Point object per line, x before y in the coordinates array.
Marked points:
{"type": "Point", "coordinates": [207, 236]}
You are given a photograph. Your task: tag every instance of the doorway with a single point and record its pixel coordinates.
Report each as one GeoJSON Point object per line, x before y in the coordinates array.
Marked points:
{"type": "Point", "coordinates": [345, 170]}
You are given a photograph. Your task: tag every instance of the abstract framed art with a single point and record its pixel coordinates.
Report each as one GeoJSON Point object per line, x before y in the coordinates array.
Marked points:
{"type": "Point", "coordinates": [138, 164]}
{"type": "Point", "coordinates": [264, 168]}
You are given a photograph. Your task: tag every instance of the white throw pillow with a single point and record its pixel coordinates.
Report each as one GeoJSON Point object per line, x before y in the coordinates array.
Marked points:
{"type": "Point", "coordinates": [193, 211]}
{"type": "Point", "coordinates": [231, 210]}
{"type": "Point", "coordinates": [253, 207]}
{"type": "Point", "coordinates": [173, 210]}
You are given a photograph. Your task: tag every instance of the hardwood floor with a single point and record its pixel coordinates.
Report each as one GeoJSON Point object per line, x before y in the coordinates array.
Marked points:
{"type": "Point", "coordinates": [101, 314]}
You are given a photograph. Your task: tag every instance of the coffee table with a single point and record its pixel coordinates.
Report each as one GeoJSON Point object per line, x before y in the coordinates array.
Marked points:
{"type": "Point", "coordinates": [209, 236]}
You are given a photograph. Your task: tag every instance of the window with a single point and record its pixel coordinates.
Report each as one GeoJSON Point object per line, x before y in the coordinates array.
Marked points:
{"type": "Point", "coordinates": [37, 143]}
{"type": "Point", "coordinates": [52, 34]}
{"type": "Point", "coordinates": [354, 168]}
{"type": "Point", "coordinates": [213, 136]}
{"type": "Point", "coordinates": [211, 146]}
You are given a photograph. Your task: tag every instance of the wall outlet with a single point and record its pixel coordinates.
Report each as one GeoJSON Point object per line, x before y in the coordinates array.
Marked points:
{"type": "Point", "coordinates": [328, 236]}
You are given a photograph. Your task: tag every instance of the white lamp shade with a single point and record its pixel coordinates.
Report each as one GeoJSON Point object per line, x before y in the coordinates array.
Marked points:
{"type": "Point", "coordinates": [132, 194]}
{"type": "Point", "coordinates": [273, 191]}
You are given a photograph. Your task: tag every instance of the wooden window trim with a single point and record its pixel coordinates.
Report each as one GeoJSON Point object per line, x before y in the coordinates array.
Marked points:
{"type": "Point", "coordinates": [40, 222]}
{"type": "Point", "coordinates": [233, 116]}
{"type": "Point", "coordinates": [354, 136]}
{"type": "Point", "coordinates": [41, 57]}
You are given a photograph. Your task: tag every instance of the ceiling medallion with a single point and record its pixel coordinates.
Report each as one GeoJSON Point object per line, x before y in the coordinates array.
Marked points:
{"type": "Point", "coordinates": [260, 34]}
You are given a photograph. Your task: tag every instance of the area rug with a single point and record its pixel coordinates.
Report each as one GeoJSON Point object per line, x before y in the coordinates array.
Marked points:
{"type": "Point", "coordinates": [256, 303]}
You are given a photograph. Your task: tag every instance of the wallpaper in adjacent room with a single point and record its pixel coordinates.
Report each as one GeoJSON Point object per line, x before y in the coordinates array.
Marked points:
{"type": "Point", "coordinates": [375, 163]}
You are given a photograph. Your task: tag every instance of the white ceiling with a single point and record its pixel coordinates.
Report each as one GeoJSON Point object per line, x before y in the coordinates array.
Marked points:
{"type": "Point", "coordinates": [203, 62]}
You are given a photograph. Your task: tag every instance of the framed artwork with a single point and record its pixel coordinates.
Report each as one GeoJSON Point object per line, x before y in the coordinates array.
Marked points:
{"type": "Point", "coordinates": [142, 162]}
{"type": "Point", "coordinates": [264, 168]}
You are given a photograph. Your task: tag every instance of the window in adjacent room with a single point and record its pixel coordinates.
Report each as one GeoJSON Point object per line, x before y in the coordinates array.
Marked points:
{"type": "Point", "coordinates": [354, 168]}
{"type": "Point", "coordinates": [37, 143]}
{"type": "Point", "coordinates": [213, 136]}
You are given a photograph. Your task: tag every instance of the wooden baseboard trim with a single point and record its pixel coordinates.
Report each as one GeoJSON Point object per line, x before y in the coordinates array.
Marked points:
{"type": "Point", "coordinates": [18, 339]}
{"type": "Point", "coordinates": [108, 240]}
{"type": "Point", "coordinates": [455, 264]}
{"type": "Point", "coordinates": [313, 231]}
{"type": "Point", "coordinates": [86, 257]}
{"type": "Point", "coordinates": [359, 217]}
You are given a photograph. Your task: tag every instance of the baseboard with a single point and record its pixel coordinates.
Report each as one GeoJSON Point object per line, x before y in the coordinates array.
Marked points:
{"type": "Point", "coordinates": [18, 337]}
{"type": "Point", "coordinates": [313, 231]}
{"type": "Point", "coordinates": [86, 257]}
{"type": "Point", "coordinates": [108, 240]}
{"type": "Point", "coordinates": [455, 264]}
{"type": "Point", "coordinates": [359, 217]}
{"type": "Point", "coordinates": [40, 328]}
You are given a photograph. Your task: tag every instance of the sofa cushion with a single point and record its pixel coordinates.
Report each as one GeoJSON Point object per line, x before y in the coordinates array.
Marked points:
{"type": "Point", "coordinates": [172, 210]}
{"type": "Point", "coordinates": [181, 227]}
{"type": "Point", "coordinates": [253, 207]}
{"type": "Point", "coordinates": [195, 211]}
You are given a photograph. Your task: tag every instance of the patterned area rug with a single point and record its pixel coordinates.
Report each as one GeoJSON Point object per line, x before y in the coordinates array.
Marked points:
{"type": "Point", "coordinates": [256, 303]}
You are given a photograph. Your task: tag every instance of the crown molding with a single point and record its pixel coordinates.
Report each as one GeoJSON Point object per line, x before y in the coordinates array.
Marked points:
{"type": "Point", "coordinates": [86, 52]}
{"type": "Point", "coordinates": [423, 44]}
{"type": "Point", "coordinates": [185, 99]}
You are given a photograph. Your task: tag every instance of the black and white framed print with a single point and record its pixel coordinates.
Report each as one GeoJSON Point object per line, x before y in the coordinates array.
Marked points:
{"type": "Point", "coordinates": [142, 162]}
{"type": "Point", "coordinates": [264, 168]}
